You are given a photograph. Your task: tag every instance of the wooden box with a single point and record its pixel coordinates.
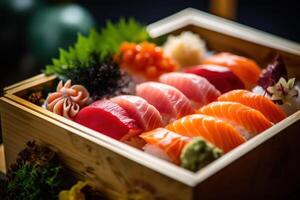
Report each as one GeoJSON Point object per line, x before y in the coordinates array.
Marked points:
{"type": "Point", "coordinates": [266, 167]}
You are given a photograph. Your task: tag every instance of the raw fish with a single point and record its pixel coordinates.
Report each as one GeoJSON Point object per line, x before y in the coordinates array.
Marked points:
{"type": "Point", "coordinates": [194, 87]}
{"type": "Point", "coordinates": [239, 115]}
{"type": "Point", "coordinates": [216, 131]}
{"type": "Point", "coordinates": [190, 153]}
{"type": "Point", "coordinates": [246, 69]}
{"type": "Point", "coordinates": [169, 101]}
{"type": "Point", "coordinates": [109, 119]}
{"type": "Point", "coordinates": [273, 112]}
{"type": "Point", "coordinates": [146, 115]}
{"type": "Point", "coordinates": [221, 77]}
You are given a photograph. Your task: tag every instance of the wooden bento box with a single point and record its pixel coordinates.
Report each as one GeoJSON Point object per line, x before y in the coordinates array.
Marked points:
{"type": "Point", "coordinates": [266, 166]}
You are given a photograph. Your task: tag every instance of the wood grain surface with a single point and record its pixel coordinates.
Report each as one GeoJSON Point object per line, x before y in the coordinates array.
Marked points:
{"type": "Point", "coordinates": [2, 159]}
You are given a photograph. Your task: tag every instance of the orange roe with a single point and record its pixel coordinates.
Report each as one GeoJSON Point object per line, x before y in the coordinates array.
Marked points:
{"type": "Point", "coordinates": [145, 59]}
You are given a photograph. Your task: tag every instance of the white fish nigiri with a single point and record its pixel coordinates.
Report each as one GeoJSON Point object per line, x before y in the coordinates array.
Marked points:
{"type": "Point", "coordinates": [146, 115]}
{"type": "Point", "coordinates": [196, 88]}
{"type": "Point", "coordinates": [169, 101]}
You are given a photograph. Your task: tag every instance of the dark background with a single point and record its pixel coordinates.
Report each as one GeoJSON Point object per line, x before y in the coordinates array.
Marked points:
{"type": "Point", "coordinates": [17, 62]}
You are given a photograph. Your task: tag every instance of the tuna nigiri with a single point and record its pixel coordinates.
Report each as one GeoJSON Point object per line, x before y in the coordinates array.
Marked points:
{"type": "Point", "coordinates": [146, 115]}
{"type": "Point", "coordinates": [239, 115]}
{"type": "Point", "coordinates": [190, 153]}
{"type": "Point", "coordinates": [196, 88]}
{"type": "Point", "coordinates": [221, 77]}
{"type": "Point", "coordinates": [108, 118]}
{"type": "Point", "coordinates": [169, 101]}
{"type": "Point", "coordinates": [247, 70]}
{"type": "Point", "coordinates": [216, 131]}
{"type": "Point", "coordinates": [256, 101]}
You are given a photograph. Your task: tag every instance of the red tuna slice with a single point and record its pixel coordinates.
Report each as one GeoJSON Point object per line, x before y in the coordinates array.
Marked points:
{"type": "Point", "coordinates": [196, 88]}
{"type": "Point", "coordinates": [221, 77]}
{"type": "Point", "coordinates": [169, 101]}
{"type": "Point", "coordinates": [146, 115]}
{"type": "Point", "coordinates": [108, 118]}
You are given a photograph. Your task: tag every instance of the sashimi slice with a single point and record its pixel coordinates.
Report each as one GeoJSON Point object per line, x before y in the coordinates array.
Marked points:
{"type": "Point", "coordinates": [246, 69]}
{"type": "Point", "coordinates": [194, 87]}
{"type": "Point", "coordinates": [171, 143]}
{"type": "Point", "coordinates": [216, 131]}
{"type": "Point", "coordinates": [271, 111]}
{"type": "Point", "coordinates": [169, 101]}
{"type": "Point", "coordinates": [146, 115]}
{"type": "Point", "coordinates": [252, 120]}
{"type": "Point", "coordinates": [109, 119]}
{"type": "Point", "coordinates": [190, 153]}
{"type": "Point", "coordinates": [221, 77]}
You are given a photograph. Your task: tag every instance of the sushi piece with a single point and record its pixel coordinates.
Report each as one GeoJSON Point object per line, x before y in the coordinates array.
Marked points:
{"type": "Point", "coordinates": [190, 153]}
{"type": "Point", "coordinates": [221, 77]}
{"type": "Point", "coordinates": [256, 101]}
{"type": "Point", "coordinates": [216, 131]}
{"type": "Point", "coordinates": [109, 119]}
{"type": "Point", "coordinates": [247, 70]}
{"type": "Point", "coordinates": [169, 101]}
{"type": "Point", "coordinates": [239, 115]}
{"type": "Point", "coordinates": [146, 115]}
{"type": "Point", "coordinates": [194, 87]}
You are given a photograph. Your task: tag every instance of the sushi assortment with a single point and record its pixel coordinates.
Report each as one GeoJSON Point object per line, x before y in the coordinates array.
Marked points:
{"type": "Point", "coordinates": [171, 100]}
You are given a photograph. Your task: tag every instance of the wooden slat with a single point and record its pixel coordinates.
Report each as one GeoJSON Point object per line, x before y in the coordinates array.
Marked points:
{"type": "Point", "coordinates": [223, 8]}
{"type": "Point", "coordinates": [2, 159]}
{"type": "Point", "coordinates": [23, 82]}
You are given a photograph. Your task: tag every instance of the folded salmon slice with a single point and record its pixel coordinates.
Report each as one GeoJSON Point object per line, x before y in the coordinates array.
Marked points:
{"type": "Point", "coordinates": [250, 119]}
{"type": "Point", "coordinates": [273, 112]}
{"type": "Point", "coordinates": [216, 131]}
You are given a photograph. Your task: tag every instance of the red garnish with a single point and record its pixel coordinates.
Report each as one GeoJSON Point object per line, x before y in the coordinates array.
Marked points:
{"type": "Point", "coordinates": [274, 71]}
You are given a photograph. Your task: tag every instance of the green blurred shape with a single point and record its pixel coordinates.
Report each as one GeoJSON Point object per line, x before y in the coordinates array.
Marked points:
{"type": "Point", "coordinates": [54, 27]}
{"type": "Point", "coordinates": [22, 8]}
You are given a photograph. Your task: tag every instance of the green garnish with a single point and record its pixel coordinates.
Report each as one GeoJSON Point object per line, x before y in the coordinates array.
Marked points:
{"type": "Point", "coordinates": [37, 174]}
{"type": "Point", "coordinates": [97, 46]}
{"type": "Point", "coordinates": [197, 154]}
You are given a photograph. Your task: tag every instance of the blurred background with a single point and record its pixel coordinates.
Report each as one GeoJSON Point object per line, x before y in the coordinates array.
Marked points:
{"type": "Point", "coordinates": [31, 31]}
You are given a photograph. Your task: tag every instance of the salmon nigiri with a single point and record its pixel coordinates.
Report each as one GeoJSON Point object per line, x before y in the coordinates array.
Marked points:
{"type": "Point", "coordinates": [238, 114]}
{"type": "Point", "coordinates": [146, 115]}
{"type": "Point", "coordinates": [216, 131]}
{"type": "Point", "coordinates": [190, 153]}
{"type": "Point", "coordinates": [273, 112]}
{"type": "Point", "coordinates": [169, 101]}
{"type": "Point", "coordinates": [246, 69]}
{"type": "Point", "coordinates": [196, 88]}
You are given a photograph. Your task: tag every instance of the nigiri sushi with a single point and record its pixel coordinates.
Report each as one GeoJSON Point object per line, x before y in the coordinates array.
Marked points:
{"type": "Point", "coordinates": [169, 101]}
{"type": "Point", "coordinates": [221, 77]}
{"type": "Point", "coordinates": [239, 115]}
{"type": "Point", "coordinates": [246, 69]}
{"type": "Point", "coordinates": [256, 101]}
{"type": "Point", "coordinates": [190, 153]}
{"type": "Point", "coordinates": [216, 131]}
{"type": "Point", "coordinates": [194, 87]}
{"type": "Point", "coordinates": [146, 115]}
{"type": "Point", "coordinates": [109, 119]}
